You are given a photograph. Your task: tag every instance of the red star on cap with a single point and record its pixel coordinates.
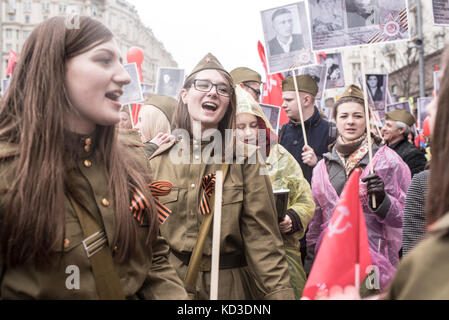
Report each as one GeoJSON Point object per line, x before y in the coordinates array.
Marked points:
{"type": "Point", "coordinates": [207, 60]}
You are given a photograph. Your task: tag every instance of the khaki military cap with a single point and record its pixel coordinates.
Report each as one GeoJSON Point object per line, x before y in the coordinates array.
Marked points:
{"type": "Point", "coordinates": [353, 91]}
{"type": "Point", "coordinates": [243, 74]}
{"type": "Point", "coordinates": [208, 62]}
{"type": "Point", "coordinates": [305, 84]}
{"type": "Point", "coordinates": [402, 116]}
{"type": "Point", "coordinates": [164, 103]}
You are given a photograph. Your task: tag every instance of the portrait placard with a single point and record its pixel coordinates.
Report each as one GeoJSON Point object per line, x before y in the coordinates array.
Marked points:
{"type": "Point", "coordinates": [440, 12]}
{"type": "Point", "coordinates": [334, 74]}
{"type": "Point", "coordinates": [422, 104]}
{"type": "Point", "coordinates": [403, 105]}
{"type": "Point", "coordinates": [169, 81]}
{"type": "Point", "coordinates": [317, 72]}
{"type": "Point", "coordinates": [273, 114]}
{"type": "Point", "coordinates": [132, 92]}
{"type": "Point", "coordinates": [376, 87]}
{"type": "Point", "coordinates": [345, 23]}
{"type": "Point", "coordinates": [287, 37]}
{"type": "Point", "coordinates": [147, 88]}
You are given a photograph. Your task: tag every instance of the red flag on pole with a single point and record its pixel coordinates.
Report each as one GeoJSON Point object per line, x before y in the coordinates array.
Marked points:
{"type": "Point", "coordinates": [12, 59]}
{"type": "Point", "coordinates": [272, 91]}
{"type": "Point", "coordinates": [343, 257]}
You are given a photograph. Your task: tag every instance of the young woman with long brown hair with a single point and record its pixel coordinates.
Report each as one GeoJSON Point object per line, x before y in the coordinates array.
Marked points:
{"type": "Point", "coordinates": [66, 185]}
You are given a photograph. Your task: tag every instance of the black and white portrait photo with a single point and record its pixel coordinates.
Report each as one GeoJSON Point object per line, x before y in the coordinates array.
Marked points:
{"type": "Point", "coordinates": [403, 105]}
{"type": "Point", "coordinates": [376, 86]}
{"type": "Point", "coordinates": [362, 13]}
{"type": "Point", "coordinates": [273, 114]}
{"type": "Point", "coordinates": [327, 15]}
{"type": "Point", "coordinates": [334, 70]}
{"type": "Point", "coordinates": [357, 22]}
{"type": "Point", "coordinates": [287, 37]}
{"type": "Point", "coordinates": [132, 92]}
{"type": "Point", "coordinates": [440, 11]}
{"type": "Point", "coordinates": [169, 81]}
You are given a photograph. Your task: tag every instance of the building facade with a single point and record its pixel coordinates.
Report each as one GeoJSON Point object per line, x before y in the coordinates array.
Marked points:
{"type": "Point", "coordinates": [19, 17]}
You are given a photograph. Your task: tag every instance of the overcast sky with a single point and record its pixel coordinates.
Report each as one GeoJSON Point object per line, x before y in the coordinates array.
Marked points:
{"type": "Point", "coordinates": [229, 29]}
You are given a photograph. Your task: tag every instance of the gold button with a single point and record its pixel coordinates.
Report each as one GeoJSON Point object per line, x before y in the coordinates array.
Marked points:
{"type": "Point", "coordinates": [105, 202]}
{"type": "Point", "coordinates": [87, 148]}
{"type": "Point", "coordinates": [88, 141]}
{"type": "Point", "coordinates": [197, 157]}
{"type": "Point", "coordinates": [191, 213]}
{"type": "Point", "coordinates": [87, 163]}
{"type": "Point", "coordinates": [66, 243]}
{"type": "Point", "coordinates": [115, 248]}
{"type": "Point", "coordinates": [192, 185]}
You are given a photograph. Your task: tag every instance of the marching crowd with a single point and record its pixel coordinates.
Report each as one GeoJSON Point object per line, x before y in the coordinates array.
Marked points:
{"type": "Point", "coordinates": [129, 209]}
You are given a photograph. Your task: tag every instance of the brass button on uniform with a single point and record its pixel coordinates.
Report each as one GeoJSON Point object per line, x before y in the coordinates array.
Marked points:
{"type": "Point", "coordinates": [87, 148]}
{"type": "Point", "coordinates": [66, 243]}
{"type": "Point", "coordinates": [87, 163]}
{"type": "Point", "coordinates": [191, 213]}
{"type": "Point", "coordinates": [88, 141]}
{"type": "Point", "coordinates": [105, 202]}
{"type": "Point", "coordinates": [192, 185]}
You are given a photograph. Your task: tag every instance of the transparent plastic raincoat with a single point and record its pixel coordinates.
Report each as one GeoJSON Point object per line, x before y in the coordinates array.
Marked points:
{"type": "Point", "coordinates": [384, 235]}
{"type": "Point", "coordinates": [285, 173]}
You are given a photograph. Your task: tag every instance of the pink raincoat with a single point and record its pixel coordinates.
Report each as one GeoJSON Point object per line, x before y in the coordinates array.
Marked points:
{"type": "Point", "coordinates": [384, 235]}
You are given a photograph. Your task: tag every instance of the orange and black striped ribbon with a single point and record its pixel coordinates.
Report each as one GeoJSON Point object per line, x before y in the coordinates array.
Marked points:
{"type": "Point", "coordinates": [208, 183]}
{"type": "Point", "coordinates": [139, 203]}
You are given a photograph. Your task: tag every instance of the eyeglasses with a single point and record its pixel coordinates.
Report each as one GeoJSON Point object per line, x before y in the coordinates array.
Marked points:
{"type": "Point", "coordinates": [206, 86]}
{"type": "Point", "coordinates": [256, 91]}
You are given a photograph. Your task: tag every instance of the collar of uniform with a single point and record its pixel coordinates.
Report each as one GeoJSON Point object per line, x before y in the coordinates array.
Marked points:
{"type": "Point", "coordinates": [81, 144]}
{"type": "Point", "coordinates": [396, 144]}
{"type": "Point", "coordinates": [314, 120]}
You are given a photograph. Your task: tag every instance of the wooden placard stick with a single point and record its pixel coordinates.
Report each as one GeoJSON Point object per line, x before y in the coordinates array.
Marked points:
{"type": "Point", "coordinates": [215, 265]}
{"type": "Point", "coordinates": [299, 106]}
{"type": "Point", "coordinates": [368, 126]}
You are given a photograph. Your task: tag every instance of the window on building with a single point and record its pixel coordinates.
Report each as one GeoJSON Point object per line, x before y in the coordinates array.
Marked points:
{"type": "Point", "coordinates": [392, 59]}
{"type": "Point", "coordinates": [8, 33]}
{"type": "Point", "coordinates": [17, 34]}
{"type": "Point", "coordinates": [11, 4]}
{"type": "Point", "coordinates": [62, 8]}
{"type": "Point", "coordinates": [25, 34]}
{"type": "Point", "coordinates": [27, 19]}
{"type": "Point", "coordinates": [11, 17]}
{"type": "Point", "coordinates": [27, 6]}
{"type": "Point", "coordinates": [94, 9]}
{"type": "Point", "coordinates": [45, 6]}
{"type": "Point", "coordinates": [439, 41]}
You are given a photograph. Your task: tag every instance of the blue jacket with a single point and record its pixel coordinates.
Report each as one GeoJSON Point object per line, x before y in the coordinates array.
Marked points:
{"type": "Point", "coordinates": [317, 131]}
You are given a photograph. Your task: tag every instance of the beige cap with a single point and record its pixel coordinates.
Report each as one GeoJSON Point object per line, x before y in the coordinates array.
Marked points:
{"type": "Point", "coordinates": [305, 84]}
{"type": "Point", "coordinates": [243, 74]}
{"type": "Point", "coordinates": [164, 103]}
{"type": "Point", "coordinates": [402, 116]}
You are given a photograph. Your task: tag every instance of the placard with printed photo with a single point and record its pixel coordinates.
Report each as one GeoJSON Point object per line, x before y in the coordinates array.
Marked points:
{"type": "Point", "coordinates": [345, 23]}
{"type": "Point", "coordinates": [376, 88]}
{"type": "Point", "coordinates": [440, 11]}
{"type": "Point", "coordinates": [273, 114]}
{"type": "Point", "coordinates": [422, 104]}
{"type": "Point", "coordinates": [169, 81]}
{"type": "Point", "coordinates": [334, 74]}
{"type": "Point", "coordinates": [132, 92]}
{"type": "Point", "coordinates": [287, 37]}
{"type": "Point", "coordinates": [5, 85]}
{"type": "Point", "coordinates": [403, 105]}
{"type": "Point", "coordinates": [147, 89]}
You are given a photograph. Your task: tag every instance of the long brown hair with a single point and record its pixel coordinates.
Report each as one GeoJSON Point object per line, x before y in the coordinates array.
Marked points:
{"type": "Point", "coordinates": [437, 203]}
{"type": "Point", "coordinates": [32, 116]}
{"type": "Point", "coordinates": [181, 117]}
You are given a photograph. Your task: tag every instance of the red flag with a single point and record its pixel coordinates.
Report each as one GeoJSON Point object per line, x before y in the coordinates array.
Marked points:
{"type": "Point", "coordinates": [12, 59]}
{"type": "Point", "coordinates": [344, 250]}
{"type": "Point", "coordinates": [272, 91]}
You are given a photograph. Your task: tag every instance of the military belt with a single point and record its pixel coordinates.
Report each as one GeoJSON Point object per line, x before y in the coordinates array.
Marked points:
{"type": "Point", "coordinates": [227, 261]}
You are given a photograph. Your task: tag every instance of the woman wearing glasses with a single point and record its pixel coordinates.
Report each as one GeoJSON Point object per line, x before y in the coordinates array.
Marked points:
{"type": "Point", "coordinates": [251, 247]}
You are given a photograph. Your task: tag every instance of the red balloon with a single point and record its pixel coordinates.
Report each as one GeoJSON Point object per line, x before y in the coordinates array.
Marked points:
{"type": "Point", "coordinates": [426, 127]}
{"type": "Point", "coordinates": [135, 54]}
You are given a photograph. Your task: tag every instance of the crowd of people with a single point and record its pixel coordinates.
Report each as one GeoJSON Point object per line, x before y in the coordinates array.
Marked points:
{"type": "Point", "coordinates": [93, 207]}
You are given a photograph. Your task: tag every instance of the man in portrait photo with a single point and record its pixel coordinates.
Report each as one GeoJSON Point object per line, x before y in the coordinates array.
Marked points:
{"type": "Point", "coordinates": [285, 40]}
{"type": "Point", "coordinates": [361, 13]}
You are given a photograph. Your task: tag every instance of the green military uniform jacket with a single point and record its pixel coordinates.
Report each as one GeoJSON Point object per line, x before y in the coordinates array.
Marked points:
{"type": "Point", "coordinates": [422, 273]}
{"type": "Point", "coordinates": [148, 275]}
{"type": "Point", "coordinates": [249, 225]}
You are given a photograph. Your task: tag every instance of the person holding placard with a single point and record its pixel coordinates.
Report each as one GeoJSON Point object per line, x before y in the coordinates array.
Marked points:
{"type": "Point", "coordinates": [252, 256]}
{"type": "Point", "coordinates": [284, 173]}
{"type": "Point", "coordinates": [69, 229]}
{"type": "Point", "coordinates": [388, 183]}
{"type": "Point", "coordinates": [395, 132]}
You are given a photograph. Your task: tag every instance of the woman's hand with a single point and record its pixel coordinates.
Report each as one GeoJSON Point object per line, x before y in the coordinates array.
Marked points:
{"type": "Point", "coordinates": [308, 156]}
{"type": "Point", "coordinates": [162, 138]}
{"type": "Point", "coordinates": [286, 225]}
{"type": "Point", "coordinates": [375, 187]}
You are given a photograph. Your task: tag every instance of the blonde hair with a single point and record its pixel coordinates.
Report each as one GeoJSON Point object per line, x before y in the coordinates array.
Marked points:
{"type": "Point", "coordinates": [153, 121]}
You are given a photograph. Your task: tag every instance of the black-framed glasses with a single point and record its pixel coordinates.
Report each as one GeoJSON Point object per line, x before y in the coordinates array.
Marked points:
{"type": "Point", "coordinates": [206, 86]}
{"type": "Point", "coordinates": [256, 91]}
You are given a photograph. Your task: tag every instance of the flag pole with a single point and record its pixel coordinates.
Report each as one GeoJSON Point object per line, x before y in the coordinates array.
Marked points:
{"type": "Point", "coordinates": [368, 127]}
{"type": "Point", "coordinates": [216, 236]}
{"type": "Point", "coordinates": [299, 106]}
{"type": "Point", "coordinates": [129, 107]}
